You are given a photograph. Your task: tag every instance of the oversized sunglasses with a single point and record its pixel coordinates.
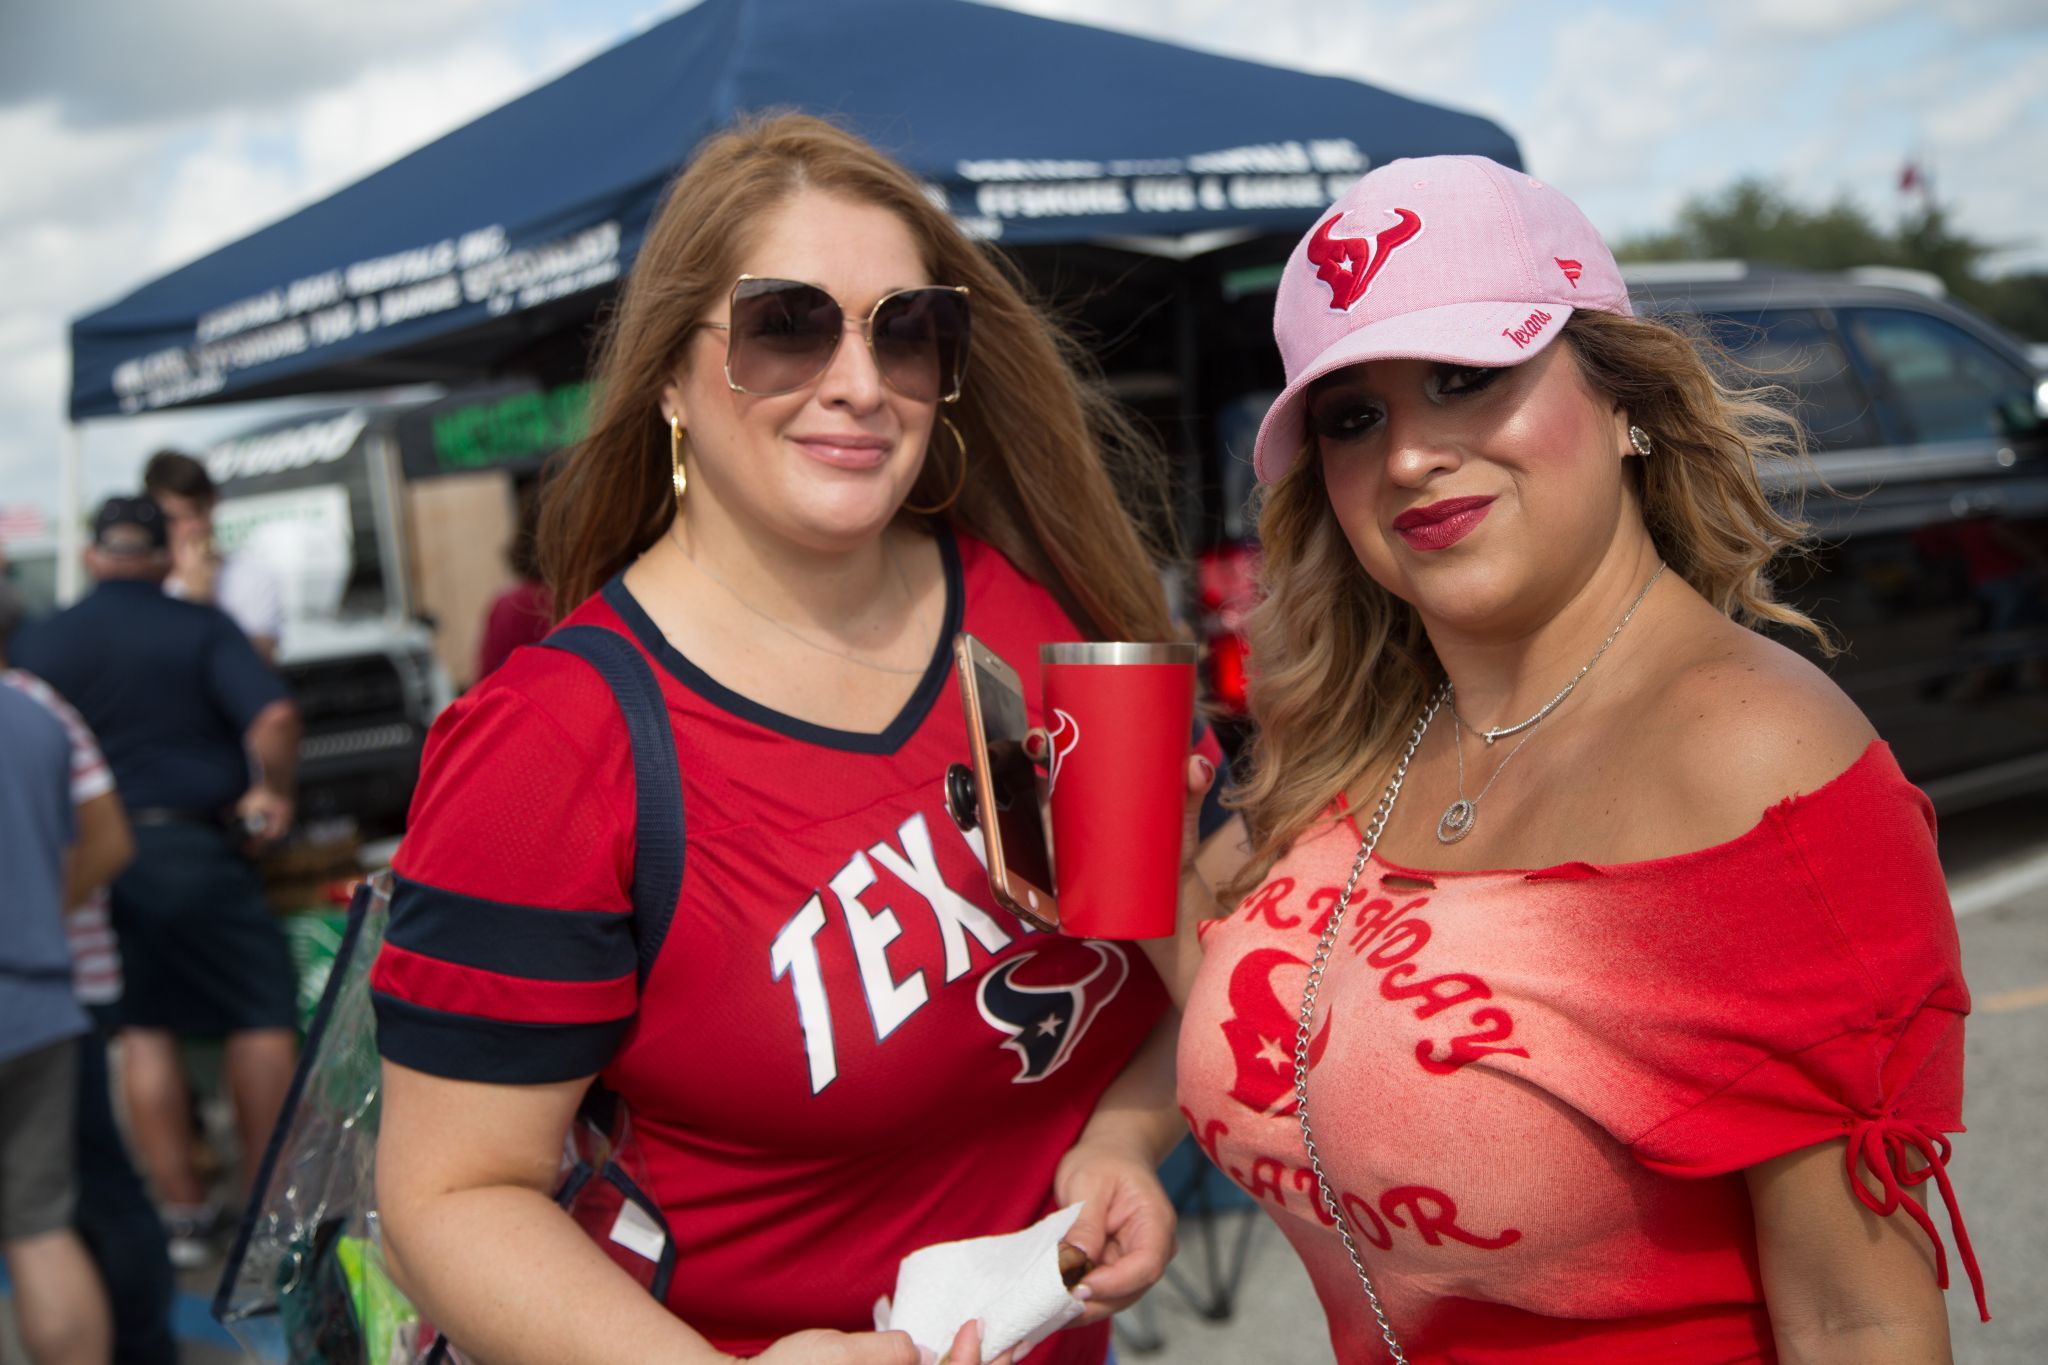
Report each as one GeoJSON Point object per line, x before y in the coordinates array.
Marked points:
{"type": "Point", "coordinates": [784, 333]}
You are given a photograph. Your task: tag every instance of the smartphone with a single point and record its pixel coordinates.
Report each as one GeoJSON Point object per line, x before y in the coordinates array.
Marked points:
{"type": "Point", "coordinates": [1006, 785]}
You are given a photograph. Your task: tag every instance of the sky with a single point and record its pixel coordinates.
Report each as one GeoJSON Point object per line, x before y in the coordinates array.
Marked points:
{"type": "Point", "coordinates": [137, 137]}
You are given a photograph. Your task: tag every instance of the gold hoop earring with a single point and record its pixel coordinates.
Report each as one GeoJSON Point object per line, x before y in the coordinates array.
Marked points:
{"type": "Point", "coordinates": [959, 481]}
{"type": "Point", "coordinates": [675, 461]}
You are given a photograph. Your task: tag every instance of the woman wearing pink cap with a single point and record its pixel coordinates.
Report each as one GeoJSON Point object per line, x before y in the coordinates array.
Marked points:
{"type": "Point", "coordinates": [1593, 994]}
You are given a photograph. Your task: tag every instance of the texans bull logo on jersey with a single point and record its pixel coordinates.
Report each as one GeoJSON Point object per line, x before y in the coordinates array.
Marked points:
{"type": "Point", "coordinates": [1261, 1032]}
{"type": "Point", "coordinates": [1046, 1019]}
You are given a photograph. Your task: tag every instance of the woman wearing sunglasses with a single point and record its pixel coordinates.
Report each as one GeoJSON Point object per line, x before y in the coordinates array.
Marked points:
{"type": "Point", "coordinates": [800, 483]}
{"type": "Point", "coordinates": [1593, 993]}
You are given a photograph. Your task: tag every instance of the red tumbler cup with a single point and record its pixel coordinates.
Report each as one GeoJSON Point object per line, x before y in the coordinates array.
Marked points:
{"type": "Point", "coordinates": [1118, 719]}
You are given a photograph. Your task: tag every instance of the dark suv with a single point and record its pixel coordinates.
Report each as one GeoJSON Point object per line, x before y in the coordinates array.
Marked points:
{"type": "Point", "coordinates": [1931, 566]}
{"type": "Point", "coordinates": [1930, 429]}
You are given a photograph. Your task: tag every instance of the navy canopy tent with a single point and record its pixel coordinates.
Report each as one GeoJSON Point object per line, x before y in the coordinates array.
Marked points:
{"type": "Point", "coordinates": [462, 258]}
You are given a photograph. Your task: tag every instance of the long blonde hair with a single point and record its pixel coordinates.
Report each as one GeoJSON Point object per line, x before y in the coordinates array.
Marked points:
{"type": "Point", "coordinates": [1340, 667]}
{"type": "Point", "coordinates": [1041, 444]}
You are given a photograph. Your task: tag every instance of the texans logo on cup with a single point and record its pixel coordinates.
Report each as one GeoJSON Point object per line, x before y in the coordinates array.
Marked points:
{"type": "Point", "coordinates": [1060, 741]}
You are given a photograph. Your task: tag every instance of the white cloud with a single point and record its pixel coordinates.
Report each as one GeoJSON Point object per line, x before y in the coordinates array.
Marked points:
{"type": "Point", "coordinates": [1403, 48]}
{"type": "Point", "coordinates": [103, 209]}
{"type": "Point", "coordinates": [1814, 18]}
{"type": "Point", "coordinates": [253, 110]}
{"type": "Point", "coordinates": [115, 61]}
{"type": "Point", "coordinates": [1993, 111]}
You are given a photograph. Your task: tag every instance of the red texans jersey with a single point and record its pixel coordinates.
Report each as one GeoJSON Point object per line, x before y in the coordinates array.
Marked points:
{"type": "Point", "coordinates": [845, 1050]}
{"type": "Point", "coordinates": [1533, 1092]}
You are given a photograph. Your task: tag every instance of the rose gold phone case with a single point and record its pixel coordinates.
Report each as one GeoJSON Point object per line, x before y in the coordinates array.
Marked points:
{"type": "Point", "coordinates": [1035, 905]}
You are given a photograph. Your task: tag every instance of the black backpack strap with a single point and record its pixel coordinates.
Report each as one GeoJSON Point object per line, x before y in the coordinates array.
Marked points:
{"type": "Point", "coordinates": [657, 782]}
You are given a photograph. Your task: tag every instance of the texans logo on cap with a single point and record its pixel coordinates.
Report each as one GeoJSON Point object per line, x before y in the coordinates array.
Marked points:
{"type": "Point", "coordinates": [1348, 264]}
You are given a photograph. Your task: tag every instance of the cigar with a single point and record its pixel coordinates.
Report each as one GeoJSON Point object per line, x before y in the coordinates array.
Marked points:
{"type": "Point", "coordinates": [1074, 1264]}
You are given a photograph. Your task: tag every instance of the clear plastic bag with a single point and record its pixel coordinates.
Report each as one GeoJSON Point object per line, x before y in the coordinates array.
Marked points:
{"type": "Point", "coordinates": [309, 1260]}
{"type": "Point", "coordinates": [308, 1255]}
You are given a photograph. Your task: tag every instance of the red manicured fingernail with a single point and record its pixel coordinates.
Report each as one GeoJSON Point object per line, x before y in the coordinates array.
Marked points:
{"type": "Point", "coordinates": [1208, 768]}
{"type": "Point", "coordinates": [1034, 746]}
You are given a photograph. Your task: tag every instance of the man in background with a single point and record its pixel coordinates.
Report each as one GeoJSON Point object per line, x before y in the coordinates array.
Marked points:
{"type": "Point", "coordinates": [113, 1213]}
{"type": "Point", "coordinates": [238, 584]}
{"type": "Point", "coordinates": [60, 1305]}
{"type": "Point", "coordinates": [185, 711]}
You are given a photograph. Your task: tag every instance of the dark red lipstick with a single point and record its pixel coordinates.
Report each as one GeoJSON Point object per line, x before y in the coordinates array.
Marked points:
{"type": "Point", "coordinates": [1441, 524]}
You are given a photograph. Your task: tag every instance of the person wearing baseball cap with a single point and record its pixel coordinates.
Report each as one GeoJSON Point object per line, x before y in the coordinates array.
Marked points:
{"type": "Point", "coordinates": [130, 528]}
{"type": "Point", "coordinates": [202, 738]}
{"type": "Point", "coordinates": [1612, 930]}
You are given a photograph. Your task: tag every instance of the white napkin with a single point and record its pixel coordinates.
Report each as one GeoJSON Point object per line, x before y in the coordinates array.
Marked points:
{"type": "Point", "coordinates": [1012, 1283]}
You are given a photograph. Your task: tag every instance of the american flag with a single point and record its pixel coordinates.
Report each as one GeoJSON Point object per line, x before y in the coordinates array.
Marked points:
{"type": "Point", "coordinates": [22, 520]}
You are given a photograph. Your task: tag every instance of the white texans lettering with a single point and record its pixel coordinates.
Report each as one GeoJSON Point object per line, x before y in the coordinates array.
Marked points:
{"type": "Point", "coordinates": [890, 1001]}
{"type": "Point", "coordinates": [954, 912]}
{"type": "Point", "coordinates": [795, 954]}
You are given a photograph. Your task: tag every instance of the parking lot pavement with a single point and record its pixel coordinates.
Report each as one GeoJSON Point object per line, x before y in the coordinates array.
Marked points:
{"type": "Point", "coordinates": [1998, 1163]}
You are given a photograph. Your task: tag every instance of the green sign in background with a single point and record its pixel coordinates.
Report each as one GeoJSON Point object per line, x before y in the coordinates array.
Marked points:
{"type": "Point", "coordinates": [522, 427]}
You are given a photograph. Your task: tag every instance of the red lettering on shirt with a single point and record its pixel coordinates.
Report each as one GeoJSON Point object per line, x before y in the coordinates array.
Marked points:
{"type": "Point", "coordinates": [1323, 900]}
{"type": "Point", "coordinates": [1495, 1027]}
{"type": "Point", "coordinates": [1440, 1220]}
{"type": "Point", "coordinates": [1375, 915]}
{"type": "Point", "coordinates": [1432, 1215]}
{"type": "Point", "coordinates": [1403, 941]}
{"type": "Point", "coordinates": [1366, 1223]}
{"type": "Point", "coordinates": [1438, 993]}
{"type": "Point", "coordinates": [1265, 901]}
{"type": "Point", "coordinates": [1305, 1181]}
{"type": "Point", "coordinates": [1265, 1180]}
{"type": "Point", "coordinates": [1408, 935]}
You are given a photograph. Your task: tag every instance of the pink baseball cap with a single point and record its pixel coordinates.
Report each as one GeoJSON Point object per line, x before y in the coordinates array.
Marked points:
{"type": "Point", "coordinates": [1449, 258]}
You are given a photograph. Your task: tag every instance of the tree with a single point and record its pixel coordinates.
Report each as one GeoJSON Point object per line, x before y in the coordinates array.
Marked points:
{"type": "Point", "coordinates": [1756, 220]}
{"type": "Point", "coordinates": [1752, 220]}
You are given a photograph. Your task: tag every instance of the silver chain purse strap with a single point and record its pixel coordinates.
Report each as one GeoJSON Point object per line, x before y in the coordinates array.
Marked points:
{"type": "Point", "coordinates": [1308, 1010]}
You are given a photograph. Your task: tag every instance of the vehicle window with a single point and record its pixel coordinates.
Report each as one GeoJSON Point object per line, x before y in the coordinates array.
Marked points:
{"type": "Point", "coordinates": [1950, 385]}
{"type": "Point", "coordinates": [1792, 347]}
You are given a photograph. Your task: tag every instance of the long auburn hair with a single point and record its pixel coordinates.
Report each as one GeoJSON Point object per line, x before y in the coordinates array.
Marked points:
{"type": "Point", "coordinates": [1045, 449]}
{"type": "Point", "coordinates": [1340, 667]}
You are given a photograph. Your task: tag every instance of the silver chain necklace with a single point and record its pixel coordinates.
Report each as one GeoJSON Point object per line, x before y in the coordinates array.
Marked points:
{"type": "Point", "coordinates": [1462, 814]}
{"type": "Point", "coordinates": [1504, 731]}
{"type": "Point", "coordinates": [793, 634]}
{"type": "Point", "coordinates": [1366, 845]}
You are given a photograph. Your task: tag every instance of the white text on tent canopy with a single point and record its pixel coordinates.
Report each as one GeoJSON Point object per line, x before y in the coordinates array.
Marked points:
{"type": "Point", "coordinates": [473, 268]}
{"type": "Point", "coordinates": [1276, 175]}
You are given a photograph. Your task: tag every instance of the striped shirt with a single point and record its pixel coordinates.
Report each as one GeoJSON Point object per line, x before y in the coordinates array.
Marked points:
{"type": "Point", "coordinates": [95, 955]}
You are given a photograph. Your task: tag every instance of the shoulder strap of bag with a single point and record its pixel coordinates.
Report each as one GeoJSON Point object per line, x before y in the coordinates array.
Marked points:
{"type": "Point", "coordinates": [657, 782]}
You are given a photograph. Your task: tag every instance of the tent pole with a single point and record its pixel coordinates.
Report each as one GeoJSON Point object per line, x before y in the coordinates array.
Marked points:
{"type": "Point", "coordinates": [71, 517]}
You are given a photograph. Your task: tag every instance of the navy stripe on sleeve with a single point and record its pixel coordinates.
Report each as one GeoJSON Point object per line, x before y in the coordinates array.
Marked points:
{"type": "Point", "coordinates": [511, 940]}
{"type": "Point", "coordinates": [463, 1047]}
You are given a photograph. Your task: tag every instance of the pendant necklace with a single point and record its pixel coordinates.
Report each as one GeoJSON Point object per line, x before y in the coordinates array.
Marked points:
{"type": "Point", "coordinates": [1462, 814]}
